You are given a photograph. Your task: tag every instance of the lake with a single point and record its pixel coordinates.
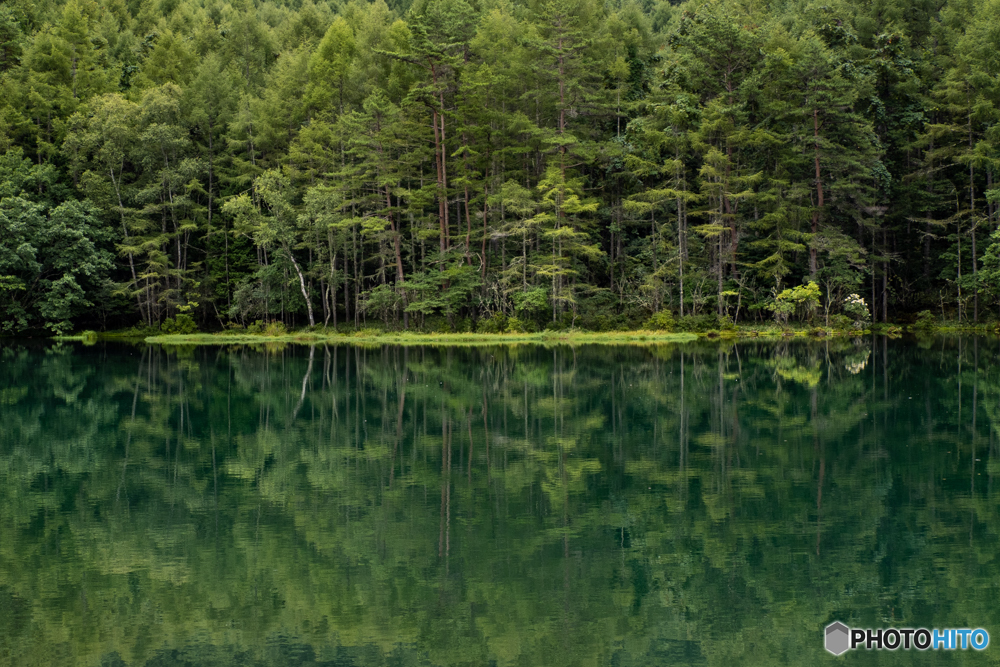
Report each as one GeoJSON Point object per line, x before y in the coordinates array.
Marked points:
{"type": "Point", "coordinates": [702, 504]}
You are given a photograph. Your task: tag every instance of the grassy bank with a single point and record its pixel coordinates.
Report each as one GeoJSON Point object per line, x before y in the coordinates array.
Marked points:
{"type": "Point", "coordinates": [409, 338]}
{"type": "Point", "coordinates": [546, 337]}
{"type": "Point", "coordinates": [574, 337]}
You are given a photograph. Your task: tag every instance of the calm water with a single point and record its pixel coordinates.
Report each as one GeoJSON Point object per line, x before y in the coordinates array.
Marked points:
{"type": "Point", "coordinates": [699, 504]}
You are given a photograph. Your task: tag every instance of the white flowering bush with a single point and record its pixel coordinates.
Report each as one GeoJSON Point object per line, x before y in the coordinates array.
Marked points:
{"type": "Point", "coordinates": [856, 307]}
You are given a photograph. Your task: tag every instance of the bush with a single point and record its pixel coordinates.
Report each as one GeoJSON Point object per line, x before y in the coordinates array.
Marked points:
{"type": "Point", "coordinates": [382, 301]}
{"type": "Point", "coordinates": [182, 324]}
{"type": "Point", "coordinates": [275, 329]}
{"type": "Point", "coordinates": [925, 320]}
{"type": "Point", "coordinates": [517, 325]}
{"type": "Point", "coordinates": [856, 308]}
{"type": "Point", "coordinates": [841, 322]}
{"type": "Point", "coordinates": [802, 299]}
{"type": "Point", "coordinates": [599, 322]}
{"type": "Point", "coordinates": [661, 321]}
{"type": "Point", "coordinates": [564, 323]}
{"type": "Point", "coordinates": [260, 327]}
{"type": "Point", "coordinates": [697, 323]}
{"type": "Point", "coordinates": [365, 332]}
{"type": "Point", "coordinates": [436, 324]}
{"type": "Point", "coordinates": [494, 324]}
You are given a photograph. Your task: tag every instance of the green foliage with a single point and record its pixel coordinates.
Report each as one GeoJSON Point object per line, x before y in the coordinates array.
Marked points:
{"type": "Point", "coordinates": [517, 325]}
{"type": "Point", "coordinates": [532, 302]}
{"type": "Point", "coordinates": [571, 164]}
{"type": "Point", "coordinates": [181, 324]}
{"type": "Point", "coordinates": [275, 329]}
{"type": "Point", "coordinates": [661, 321]}
{"type": "Point", "coordinates": [443, 292]}
{"type": "Point", "coordinates": [696, 323]}
{"type": "Point", "coordinates": [925, 320]}
{"type": "Point", "coordinates": [272, 328]}
{"type": "Point", "coordinates": [856, 307]}
{"type": "Point", "coordinates": [841, 322]}
{"type": "Point", "coordinates": [496, 323]}
{"type": "Point", "coordinates": [382, 302]}
{"type": "Point", "coordinates": [53, 261]}
{"type": "Point", "coordinates": [802, 299]}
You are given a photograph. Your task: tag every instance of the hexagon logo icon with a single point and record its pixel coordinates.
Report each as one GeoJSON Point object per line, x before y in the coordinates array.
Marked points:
{"type": "Point", "coordinates": [838, 638]}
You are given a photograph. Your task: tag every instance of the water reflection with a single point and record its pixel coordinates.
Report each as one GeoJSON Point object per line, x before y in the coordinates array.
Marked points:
{"type": "Point", "coordinates": [698, 504]}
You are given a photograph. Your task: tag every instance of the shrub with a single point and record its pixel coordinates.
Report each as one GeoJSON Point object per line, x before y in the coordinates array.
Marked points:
{"type": "Point", "coordinates": [841, 322]}
{"type": "Point", "coordinates": [365, 332]}
{"type": "Point", "coordinates": [802, 299]}
{"type": "Point", "coordinates": [494, 324]}
{"type": "Point", "coordinates": [597, 323]}
{"type": "Point", "coordinates": [697, 323]}
{"type": "Point", "coordinates": [436, 324]}
{"type": "Point", "coordinates": [856, 308]}
{"type": "Point", "coordinates": [182, 324]}
{"type": "Point", "coordinates": [267, 328]}
{"type": "Point", "coordinates": [275, 329]}
{"type": "Point", "coordinates": [565, 322]}
{"type": "Point", "coordinates": [381, 301]}
{"type": "Point", "coordinates": [517, 325]}
{"type": "Point", "coordinates": [925, 320]}
{"type": "Point", "coordinates": [661, 321]}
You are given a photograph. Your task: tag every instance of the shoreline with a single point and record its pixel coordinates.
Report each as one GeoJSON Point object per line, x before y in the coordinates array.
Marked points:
{"type": "Point", "coordinates": [403, 338]}
{"type": "Point", "coordinates": [638, 337]}
{"type": "Point", "coordinates": [456, 339]}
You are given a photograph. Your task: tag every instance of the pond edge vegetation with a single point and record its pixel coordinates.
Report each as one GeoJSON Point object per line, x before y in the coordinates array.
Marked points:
{"type": "Point", "coordinates": [574, 336]}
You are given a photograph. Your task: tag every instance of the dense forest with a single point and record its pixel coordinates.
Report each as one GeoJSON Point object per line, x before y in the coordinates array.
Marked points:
{"type": "Point", "coordinates": [497, 165]}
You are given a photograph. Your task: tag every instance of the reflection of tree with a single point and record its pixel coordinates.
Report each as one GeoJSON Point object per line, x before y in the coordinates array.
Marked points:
{"type": "Point", "coordinates": [523, 505]}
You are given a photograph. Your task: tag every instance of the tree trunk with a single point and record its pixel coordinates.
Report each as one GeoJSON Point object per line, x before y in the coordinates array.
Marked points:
{"type": "Point", "coordinates": [819, 198]}
{"type": "Point", "coordinates": [930, 214]}
{"type": "Point", "coordinates": [680, 252]}
{"type": "Point", "coordinates": [483, 251]}
{"type": "Point", "coordinates": [396, 243]}
{"type": "Point", "coordinates": [131, 260]}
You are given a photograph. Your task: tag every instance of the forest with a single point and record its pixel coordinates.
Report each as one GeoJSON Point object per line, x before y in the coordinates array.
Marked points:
{"type": "Point", "coordinates": [496, 165]}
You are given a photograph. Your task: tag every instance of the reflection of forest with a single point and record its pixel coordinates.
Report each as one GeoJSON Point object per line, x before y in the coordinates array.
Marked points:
{"type": "Point", "coordinates": [711, 504]}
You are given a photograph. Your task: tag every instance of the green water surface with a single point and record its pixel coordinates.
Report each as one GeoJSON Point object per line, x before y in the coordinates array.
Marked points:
{"type": "Point", "coordinates": [699, 504]}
